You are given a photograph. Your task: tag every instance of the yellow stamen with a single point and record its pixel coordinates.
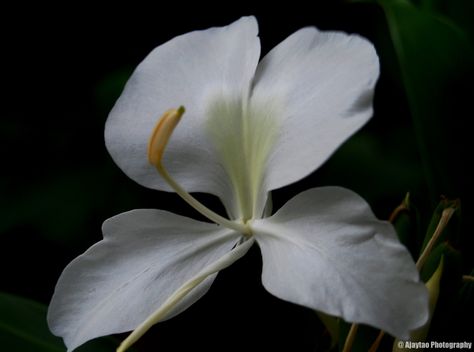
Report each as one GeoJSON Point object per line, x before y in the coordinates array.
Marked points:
{"type": "Point", "coordinates": [162, 133]}
{"type": "Point", "coordinates": [156, 147]}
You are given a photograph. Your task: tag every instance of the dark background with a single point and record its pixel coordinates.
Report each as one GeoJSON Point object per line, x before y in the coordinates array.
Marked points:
{"type": "Point", "coordinates": [63, 69]}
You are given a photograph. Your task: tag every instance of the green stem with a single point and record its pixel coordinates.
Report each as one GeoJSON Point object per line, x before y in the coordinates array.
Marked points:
{"type": "Point", "coordinates": [445, 216]}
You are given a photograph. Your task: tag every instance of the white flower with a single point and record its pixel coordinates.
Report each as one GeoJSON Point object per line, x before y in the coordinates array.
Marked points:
{"type": "Point", "coordinates": [250, 127]}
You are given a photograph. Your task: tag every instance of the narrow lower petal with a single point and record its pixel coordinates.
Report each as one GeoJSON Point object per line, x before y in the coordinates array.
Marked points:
{"type": "Point", "coordinates": [194, 70]}
{"type": "Point", "coordinates": [146, 256]}
{"type": "Point", "coordinates": [319, 87]}
{"type": "Point", "coordinates": [326, 250]}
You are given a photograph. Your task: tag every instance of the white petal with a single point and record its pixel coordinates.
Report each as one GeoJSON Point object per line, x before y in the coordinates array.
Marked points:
{"type": "Point", "coordinates": [319, 86]}
{"type": "Point", "coordinates": [146, 255]}
{"type": "Point", "coordinates": [326, 250]}
{"type": "Point", "coordinates": [170, 304]}
{"type": "Point", "coordinates": [195, 70]}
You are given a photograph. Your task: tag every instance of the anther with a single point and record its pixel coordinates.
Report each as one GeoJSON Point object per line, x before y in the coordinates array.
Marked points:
{"type": "Point", "coordinates": [162, 133]}
{"type": "Point", "coordinates": [156, 147]}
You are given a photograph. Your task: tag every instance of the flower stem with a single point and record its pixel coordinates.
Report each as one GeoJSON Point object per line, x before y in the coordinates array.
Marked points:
{"type": "Point", "coordinates": [467, 278]}
{"type": "Point", "coordinates": [445, 216]}
{"type": "Point", "coordinates": [404, 206]}
{"type": "Point", "coordinates": [377, 342]}
{"type": "Point", "coordinates": [350, 338]}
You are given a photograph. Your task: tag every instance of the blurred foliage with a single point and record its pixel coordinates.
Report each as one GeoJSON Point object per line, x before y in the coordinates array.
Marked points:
{"type": "Point", "coordinates": [23, 328]}
{"type": "Point", "coordinates": [435, 58]}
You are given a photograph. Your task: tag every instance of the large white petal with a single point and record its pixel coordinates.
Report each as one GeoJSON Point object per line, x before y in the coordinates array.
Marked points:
{"type": "Point", "coordinates": [319, 86]}
{"type": "Point", "coordinates": [144, 258]}
{"type": "Point", "coordinates": [198, 70]}
{"type": "Point", "coordinates": [326, 250]}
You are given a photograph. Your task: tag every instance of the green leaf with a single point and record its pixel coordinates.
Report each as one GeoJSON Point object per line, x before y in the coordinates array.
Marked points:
{"type": "Point", "coordinates": [452, 264]}
{"type": "Point", "coordinates": [435, 59]}
{"type": "Point", "coordinates": [23, 327]}
{"type": "Point", "coordinates": [433, 286]}
{"type": "Point", "coordinates": [444, 319]}
{"type": "Point", "coordinates": [460, 12]}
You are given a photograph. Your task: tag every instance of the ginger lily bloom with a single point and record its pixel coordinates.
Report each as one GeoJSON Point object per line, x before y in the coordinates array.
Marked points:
{"type": "Point", "coordinates": [249, 127]}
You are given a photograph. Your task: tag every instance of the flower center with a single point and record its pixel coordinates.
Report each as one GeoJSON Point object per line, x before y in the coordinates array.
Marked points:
{"type": "Point", "coordinates": [156, 147]}
{"type": "Point", "coordinates": [243, 135]}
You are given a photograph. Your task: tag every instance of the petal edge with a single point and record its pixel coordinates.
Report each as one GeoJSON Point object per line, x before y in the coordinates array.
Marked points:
{"type": "Point", "coordinates": [326, 250]}
{"type": "Point", "coordinates": [145, 256]}
{"type": "Point", "coordinates": [325, 82]}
